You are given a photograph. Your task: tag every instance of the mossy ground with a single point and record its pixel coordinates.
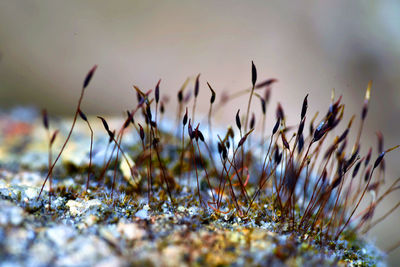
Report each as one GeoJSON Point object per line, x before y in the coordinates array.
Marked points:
{"type": "Point", "coordinates": [136, 232]}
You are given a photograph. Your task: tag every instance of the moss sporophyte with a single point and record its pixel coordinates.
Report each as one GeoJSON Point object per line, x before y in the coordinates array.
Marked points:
{"type": "Point", "coordinates": [309, 186]}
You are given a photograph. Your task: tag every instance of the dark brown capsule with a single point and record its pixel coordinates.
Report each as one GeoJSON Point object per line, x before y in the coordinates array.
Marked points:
{"type": "Point", "coordinates": [356, 168]}
{"type": "Point", "coordinates": [180, 96]}
{"type": "Point", "coordinates": [253, 74]}
{"type": "Point", "coordinates": [238, 123]}
{"type": "Point", "coordinates": [332, 114]}
{"type": "Point", "coordinates": [304, 107]}
{"type": "Point", "coordinates": [284, 141]}
{"type": "Point", "coordinates": [139, 97]}
{"type": "Point", "coordinates": [185, 118]}
{"type": "Point", "coordinates": [279, 112]}
{"type": "Point", "coordinates": [200, 135]}
{"type": "Point", "coordinates": [212, 99]}
{"type": "Point", "coordinates": [355, 153]}
{"type": "Point", "coordinates": [130, 116]}
{"type": "Point", "coordinates": [336, 182]}
{"type": "Point", "coordinates": [105, 124]}
{"type": "Point", "coordinates": [148, 113]}
{"type": "Point", "coordinates": [278, 122]}
{"type": "Point", "coordinates": [53, 137]}
{"type": "Point", "coordinates": [157, 91]}
{"type": "Point", "coordinates": [196, 132]}
{"type": "Point", "coordinates": [45, 119]}
{"type": "Point", "coordinates": [224, 153]}
{"type": "Point", "coordinates": [266, 83]}
{"type": "Point", "coordinates": [344, 135]}
{"type": "Point", "coordinates": [301, 143]}
{"type": "Point", "coordinates": [364, 110]}
{"type": "Point", "coordinates": [379, 159]}
{"type": "Point", "coordinates": [126, 123]}
{"type": "Point", "coordinates": [162, 108]}
{"type": "Point", "coordinates": [291, 178]}
{"type": "Point", "coordinates": [252, 121]}
{"type": "Point", "coordinates": [277, 156]}
{"type": "Point", "coordinates": [111, 136]}
{"type": "Point", "coordinates": [146, 118]}
{"type": "Point", "coordinates": [197, 86]}
{"type": "Point", "coordinates": [368, 158]}
{"type": "Point", "coordinates": [320, 131]}
{"type": "Point", "coordinates": [367, 174]}
{"type": "Point", "coordinates": [219, 148]}
{"type": "Point", "coordinates": [141, 132]}
{"type": "Point", "coordinates": [89, 76]}
{"type": "Point", "coordinates": [263, 106]}
{"type": "Point", "coordinates": [190, 131]}
{"type": "Point", "coordinates": [153, 124]}
{"type": "Point", "coordinates": [244, 138]}
{"type": "Point", "coordinates": [369, 214]}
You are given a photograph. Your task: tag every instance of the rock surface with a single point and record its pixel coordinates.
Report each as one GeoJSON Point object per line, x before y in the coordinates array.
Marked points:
{"type": "Point", "coordinates": [95, 229]}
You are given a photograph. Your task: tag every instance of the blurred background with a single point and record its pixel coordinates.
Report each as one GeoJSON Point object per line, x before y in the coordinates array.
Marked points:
{"type": "Point", "coordinates": [47, 47]}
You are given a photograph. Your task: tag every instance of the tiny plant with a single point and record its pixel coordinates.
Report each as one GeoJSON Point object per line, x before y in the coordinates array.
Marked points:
{"type": "Point", "coordinates": [51, 139]}
{"type": "Point", "coordinates": [313, 182]}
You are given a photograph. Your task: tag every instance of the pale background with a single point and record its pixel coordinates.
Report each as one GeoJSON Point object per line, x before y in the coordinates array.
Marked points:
{"type": "Point", "coordinates": [47, 47]}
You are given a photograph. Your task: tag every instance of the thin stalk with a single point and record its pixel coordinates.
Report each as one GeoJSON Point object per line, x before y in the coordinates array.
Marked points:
{"type": "Point", "coordinates": [358, 203]}
{"type": "Point", "coordinates": [183, 151]}
{"type": "Point", "coordinates": [115, 170]}
{"type": "Point", "coordinates": [197, 175]}
{"type": "Point", "coordinates": [148, 176]}
{"type": "Point", "coordinates": [49, 162]}
{"type": "Point", "coordinates": [163, 174]}
{"type": "Point", "coordinates": [205, 170]}
{"type": "Point", "coordinates": [86, 82]}
{"type": "Point", "coordinates": [90, 155]}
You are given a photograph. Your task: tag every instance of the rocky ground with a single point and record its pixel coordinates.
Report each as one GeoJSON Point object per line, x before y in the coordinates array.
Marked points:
{"type": "Point", "coordinates": [93, 229]}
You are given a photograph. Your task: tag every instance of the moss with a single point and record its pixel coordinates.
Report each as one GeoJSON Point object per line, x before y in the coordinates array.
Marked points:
{"type": "Point", "coordinates": [283, 193]}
